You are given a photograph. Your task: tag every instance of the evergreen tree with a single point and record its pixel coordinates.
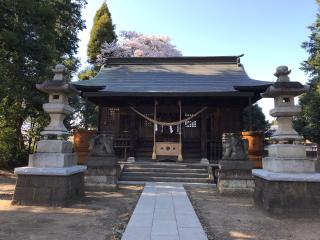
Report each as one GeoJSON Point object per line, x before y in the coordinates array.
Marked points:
{"type": "Point", "coordinates": [259, 122]}
{"type": "Point", "coordinates": [308, 122]}
{"type": "Point", "coordinates": [34, 36]}
{"type": "Point", "coordinates": [102, 31]}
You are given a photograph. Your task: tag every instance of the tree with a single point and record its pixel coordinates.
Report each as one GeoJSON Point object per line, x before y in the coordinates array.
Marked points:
{"type": "Point", "coordinates": [259, 122]}
{"type": "Point", "coordinates": [133, 44]}
{"type": "Point", "coordinates": [102, 31]}
{"type": "Point", "coordinates": [308, 121]}
{"type": "Point", "coordinates": [34, 36]}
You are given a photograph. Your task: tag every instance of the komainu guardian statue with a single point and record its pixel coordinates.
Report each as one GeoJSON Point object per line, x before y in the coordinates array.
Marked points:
{"type": "Point", "coordinates": [101, 145]}
{"type": "Point", "coordinates": [234, 147]}
{"type": "Point", "coordinates": [234, 173]}
{"type": "Point", "coordinates": [103, 168]}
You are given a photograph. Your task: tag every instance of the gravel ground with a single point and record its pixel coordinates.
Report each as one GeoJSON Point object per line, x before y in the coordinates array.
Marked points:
{"type": "Point", "coordinates": [236, 218]}
{"type": "Point", "coordinates": [98, 216]}
{"type": "Point", "coordinates": [105, 215]}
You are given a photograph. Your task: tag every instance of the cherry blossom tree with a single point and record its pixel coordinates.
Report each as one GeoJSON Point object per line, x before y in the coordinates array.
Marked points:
{"type": "Point", "coordinates": [133, 44]}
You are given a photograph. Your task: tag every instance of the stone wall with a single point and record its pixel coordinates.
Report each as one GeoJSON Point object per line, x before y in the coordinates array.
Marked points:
{"type": "Point", "coordinates": [48, 190]}
{"type": "Point", "coordinates": [288, 198]}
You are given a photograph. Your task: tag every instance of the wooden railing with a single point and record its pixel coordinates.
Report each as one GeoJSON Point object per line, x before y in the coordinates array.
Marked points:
{"type": "Point", "coordinates": [121, 146]}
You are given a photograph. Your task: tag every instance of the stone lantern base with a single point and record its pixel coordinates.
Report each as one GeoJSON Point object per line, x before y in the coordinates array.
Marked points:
{"type": "Point", "coordinates": [288, 158]}
{"type": "Point", "coordinates": [287, 194]}
{"type": "Point", "coordinates": [48, 186]}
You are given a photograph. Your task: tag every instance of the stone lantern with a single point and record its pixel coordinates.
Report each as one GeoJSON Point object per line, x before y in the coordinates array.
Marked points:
{"type": "Point", "coordinates": [287, 154]}
{"type": "Point", "coordinates": [287, 182]}
{"type": "Point", "coordinates": [52, 176]}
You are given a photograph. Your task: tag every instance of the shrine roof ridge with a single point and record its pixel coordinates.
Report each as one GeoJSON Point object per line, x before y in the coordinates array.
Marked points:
{"type": "Point", "coordinates": [174, 60]}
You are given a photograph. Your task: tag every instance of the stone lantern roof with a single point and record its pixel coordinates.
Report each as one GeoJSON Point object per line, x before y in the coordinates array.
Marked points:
{"type": "Point", "coordinates": [283, 86]}
{"type": "Point", "coordinates": [58, 84]}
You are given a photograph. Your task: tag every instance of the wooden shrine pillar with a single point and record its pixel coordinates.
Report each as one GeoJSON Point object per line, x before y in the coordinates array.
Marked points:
{"type": "Point", "coordinates": [132, 135]}
{"type": "Point", "coordinates": [99, 118]}
{"type": "Point", "coordinates": [204, 138]}
{"type": "Point", "coordinates": [250, 114]}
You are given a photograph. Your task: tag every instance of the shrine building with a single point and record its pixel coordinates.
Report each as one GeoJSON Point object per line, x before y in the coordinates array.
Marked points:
{"type": "Point", "coordinates": [171, 108]}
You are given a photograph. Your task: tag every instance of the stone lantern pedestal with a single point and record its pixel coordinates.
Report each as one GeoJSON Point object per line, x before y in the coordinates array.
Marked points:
{"type": "Point", "coordinates": [52, 176]}
{"type": "Point", "coordinates": [288, 183]}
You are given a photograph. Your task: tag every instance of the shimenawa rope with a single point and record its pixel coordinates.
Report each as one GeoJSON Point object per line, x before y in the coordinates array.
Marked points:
{"type": "Point", "coordinates": [154, 121]}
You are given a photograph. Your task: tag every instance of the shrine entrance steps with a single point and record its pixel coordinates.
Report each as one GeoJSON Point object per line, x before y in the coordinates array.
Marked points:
{"type": "Point", "coordinates": [165, 172]}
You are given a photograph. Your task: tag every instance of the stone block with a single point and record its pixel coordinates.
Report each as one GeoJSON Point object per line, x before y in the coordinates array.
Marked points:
{"type": "Point", "coordinates": [274, 201]}
{"type": "Point", "coordinates": [287, 151]}
{"type": "Point", "coordinates": [238, 186]}
{"type": "Point", "coordinates": [42, 194]}
{"type": "Point", "coordinates": [101, 187]}
{"type": "Point", "coordinates": [235, 177]}
{"type": "Point", "coordinates": [288, 165]}
{"type": "Point", "coordinates": [41, 171]}
{"type": "Point", "coordinates": [52, 160]}
{"type": "Point", "coordinates": [96, 179]}
{"type": "Point", "coordinates": [107, 171]}
{"type": "Point", "coordinates": [102, 179]}
{"type": "Point", "coordinates": [22, 181]}
{"type": "Point", "coordinates": [23, 193]}
{"type": "Point", "coordinates": [234, 174]}
{"type": "Point", "coordinates": [235, 165]}
{"type": "Point", "coordinates": [313, 188]}
{"type": "Point", "coordinates": [48, 190]}
{"type": "Point", "coordinates": [102, 161]}
{"type": "Point", "coordinates": [287, 198]}
{"type": "Point", "coordinates": [59, 194]}
{"type": "Point", "coordinates": [54, 146]}
{"type": "Point", "coordinates": [284, 111]}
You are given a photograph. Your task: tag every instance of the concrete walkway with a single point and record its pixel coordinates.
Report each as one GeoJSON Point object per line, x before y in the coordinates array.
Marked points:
{"type": "Point", "coordinates": [164, 212]}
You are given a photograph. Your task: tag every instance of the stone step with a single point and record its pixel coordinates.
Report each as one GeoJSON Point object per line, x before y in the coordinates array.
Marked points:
{"type": "Point", "coordinates": [165, 179]}
{"type": "Point", "coordinates": [172, 170]}
{"type": "Point", "coordinates": [165, 174]}
{"type": "Point", "coordinates": [147, 155]}
{"type": "Point", "coordinates": [166, 165]}
{"type": "Point", "coordinates": [149, 151]}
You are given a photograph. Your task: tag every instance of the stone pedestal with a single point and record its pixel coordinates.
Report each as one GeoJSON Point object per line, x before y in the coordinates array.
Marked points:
{"type": "Point", "coordinates": [53, 187]}
{"type": "Point", "coordinates": [287, 194]}
{"type": "Point", "coordinates": [234, 177]}
{"type": "Point", "coordinates": [102, 178]}
{"type": "Point", "coordinates": [288, 158]}
{"type": "Point", "coordinates": [234, 174]}
{"type": "Point", "coordinates": [52, 176]}
{"type": "Point", "coordinates": [288, 183]}
{"type": "Point", "coordinates": [103, 168]}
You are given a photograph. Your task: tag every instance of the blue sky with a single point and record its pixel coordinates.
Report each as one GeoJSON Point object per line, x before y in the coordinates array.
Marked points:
{"type": "Point", "coordinates": [268, 33]}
